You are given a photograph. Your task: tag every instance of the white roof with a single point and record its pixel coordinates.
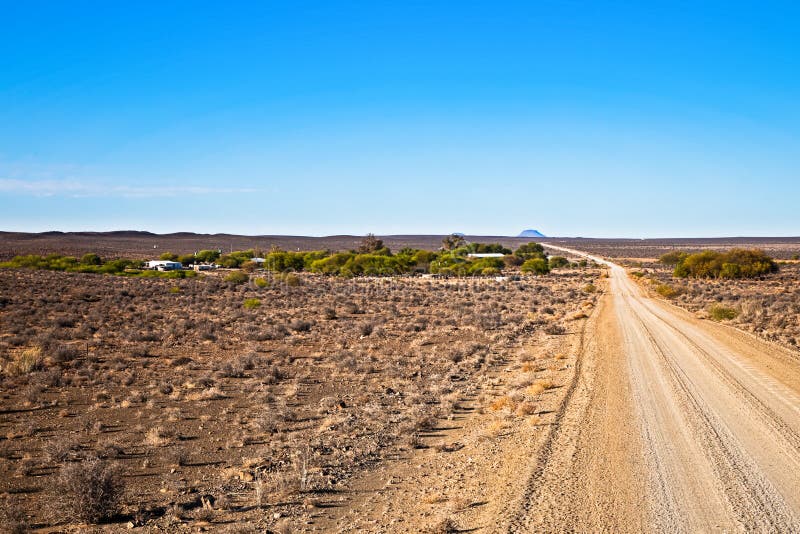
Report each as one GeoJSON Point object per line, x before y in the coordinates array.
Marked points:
{"type": "Point", "coordinates": [486, 255]}
{"type": "Point", "coordinates": [154, 263]}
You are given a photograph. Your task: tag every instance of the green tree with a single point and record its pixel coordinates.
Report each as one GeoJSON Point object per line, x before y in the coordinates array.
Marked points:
{"type": "Point", "coordinates": [208, 256]}
{"type": "Point", "coordinates": [531, 250]}
{"type": "Point", "coordinates": [535, 266]}
{"type": "Point", "coordinates": [673, 258]}
{"type": "Point", "coordinates": [187, 259]}
{"type": "Point", "coordinates": [91, 259]}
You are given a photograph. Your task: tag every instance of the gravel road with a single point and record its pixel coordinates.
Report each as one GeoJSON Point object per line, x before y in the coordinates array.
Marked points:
{"type": "Point", "coordinates": [706, 435]}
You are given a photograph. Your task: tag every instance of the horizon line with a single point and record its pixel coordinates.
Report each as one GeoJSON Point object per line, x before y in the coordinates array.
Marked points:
{"type": "Point", "coordinates": [393, 235]}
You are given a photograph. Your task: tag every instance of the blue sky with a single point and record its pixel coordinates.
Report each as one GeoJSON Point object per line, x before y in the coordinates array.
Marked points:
{"type": "Point", "coordinates": [606, 119]}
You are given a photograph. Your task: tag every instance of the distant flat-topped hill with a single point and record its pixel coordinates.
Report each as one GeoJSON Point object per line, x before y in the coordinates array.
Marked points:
{"type": "Point", "coordinates": [531, 234]}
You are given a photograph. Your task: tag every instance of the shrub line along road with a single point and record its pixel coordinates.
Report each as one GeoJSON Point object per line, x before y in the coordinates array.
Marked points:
{"type": "Point", "coordinates": [676, 424]}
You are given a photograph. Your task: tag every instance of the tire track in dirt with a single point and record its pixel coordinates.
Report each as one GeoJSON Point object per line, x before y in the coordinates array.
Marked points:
{"type": "Point", "coordinates": [742, 495]}
{"type": "Point", "coordinates": [716, 427]}
{"type": "Point", "coordinates": [590, 480]}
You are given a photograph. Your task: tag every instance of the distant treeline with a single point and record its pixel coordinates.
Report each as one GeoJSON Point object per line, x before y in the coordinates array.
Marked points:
{"type": "Point", "coordinates": [736, 263]}
{"type": "Point", "coordinates": [371, 258]}
{"type": "Point", "coordinates": [89, 263]}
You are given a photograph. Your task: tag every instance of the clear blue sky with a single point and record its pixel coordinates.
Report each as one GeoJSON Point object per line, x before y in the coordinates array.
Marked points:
{"type": "Point", "coordinates": [629, 119]}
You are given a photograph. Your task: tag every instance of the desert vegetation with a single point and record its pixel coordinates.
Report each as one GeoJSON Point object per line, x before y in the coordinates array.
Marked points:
{"type": "Point", "coordinates": [736, 263]}
{"type": "Point", "coordinates": [744, 288]}
{"type": "Point", "coordinates": [246, 399]}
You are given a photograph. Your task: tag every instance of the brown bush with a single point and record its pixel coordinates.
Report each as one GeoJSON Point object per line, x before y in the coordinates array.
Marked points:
{"type": "Point", "coordinates": [89, 491]}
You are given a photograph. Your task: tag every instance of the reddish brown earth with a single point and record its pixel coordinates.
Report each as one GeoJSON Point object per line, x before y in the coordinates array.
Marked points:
{"type": "Point", "coordinates": [276, 414]}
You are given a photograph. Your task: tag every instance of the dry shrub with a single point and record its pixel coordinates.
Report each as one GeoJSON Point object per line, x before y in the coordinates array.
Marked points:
{"type": "Point", "coordinates": [719, 312]}
{"type": "Point", "coordinates": [414, 441]}
{"type": "Point", "coordinates": [522, 380]}
{"type": "Point", "coordinates": [61, 450]}
{"type": "Point", "coordinates": [526, 408]}
{"type": "Point", "coordinates": [211, 393]}
{"type": "Point", "coordinates": [273, 487]}
{"type": "Point", "coordinates": [434, 498]}
{"type": "Point", "coordinates": [89, 491]}
{"type": "Point", "coordinates": [667, 291]}
{"type": "Point", "coordinates": [555, 329]}
{"type": "Point", "coordinates": [539, 386]}
{"type": "Point", "coordinates": [576, 316]}
{"type": "Point", "coordinates": [158, 437]}
{"type": "Point", "coordinates": [448, 447]}
{"type": "Point", "coordinates": [502, 403]}
{"type": "Point", "coordinates": [494, 428]}
{"type": "Point", "coordinates": [26, 362]}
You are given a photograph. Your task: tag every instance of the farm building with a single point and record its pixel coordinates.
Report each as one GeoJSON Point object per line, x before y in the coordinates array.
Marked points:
{"type": "Point", "coordinates": [485, 255]}
{"type": "Point", "coordinates": [163, 265]}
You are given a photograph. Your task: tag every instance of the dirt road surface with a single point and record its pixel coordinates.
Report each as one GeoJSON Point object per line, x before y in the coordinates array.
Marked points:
{"type": "Point", "coordinates": [667, 423]}
{"type": "Point", "coordinates": [714, 430]}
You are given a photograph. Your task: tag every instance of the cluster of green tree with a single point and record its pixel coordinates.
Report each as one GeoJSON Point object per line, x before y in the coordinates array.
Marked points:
{"type": "Point", "coordinates": [531, 258]}
{"type": "Point", "coordinates": [736, 263]}
{"type": "Point", "coordinates": [88, 263]}
{"type": "Point", "coordinates": [378, 263]}
{"type": "Point", "coordinates": [531, 251]}
{"type": "Point", "coordinates": [371, 258]}
{"type": "Point", "coordinates": [535, 266]}
{"type": "Point", "coordinates": [450, 264]}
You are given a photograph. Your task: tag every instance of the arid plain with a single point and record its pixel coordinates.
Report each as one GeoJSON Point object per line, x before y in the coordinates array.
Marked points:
{"type": "Point", "coordinates": [587, 399]}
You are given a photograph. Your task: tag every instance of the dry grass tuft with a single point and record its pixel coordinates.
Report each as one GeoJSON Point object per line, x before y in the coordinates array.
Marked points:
{"type": "Point", "coordinates": [526, 408]}
{"type": "Point", "coordinates": [540, 386]}
{"type": "Point", "coordinates": [502, 403]}
{"type": "Point", "coordinates": [25, 362]}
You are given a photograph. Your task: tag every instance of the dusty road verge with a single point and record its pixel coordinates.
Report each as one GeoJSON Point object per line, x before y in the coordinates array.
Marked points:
{"type": "Point", "coordinates": [476, 471]}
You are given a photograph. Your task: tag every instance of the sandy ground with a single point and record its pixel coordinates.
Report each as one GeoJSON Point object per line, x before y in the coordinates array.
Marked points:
{"type": "Point", "coordinates": [661, 422]}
